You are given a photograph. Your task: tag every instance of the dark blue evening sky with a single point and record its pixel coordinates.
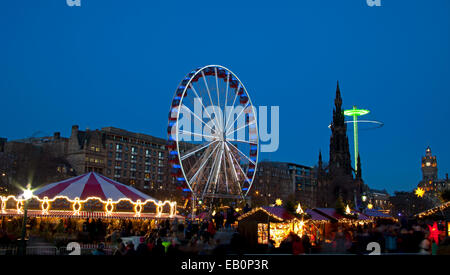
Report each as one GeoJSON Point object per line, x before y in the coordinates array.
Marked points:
{"type": "Point", "coordinates": [118, 63]}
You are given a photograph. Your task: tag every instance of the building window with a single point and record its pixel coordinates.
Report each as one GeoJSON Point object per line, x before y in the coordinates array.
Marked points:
{"type": "Point", "coordinates": [109, 162]}
{"type": "Point", "coordinates": [119, 147]}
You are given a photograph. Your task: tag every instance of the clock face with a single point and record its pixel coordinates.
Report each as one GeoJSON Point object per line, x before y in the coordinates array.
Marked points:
{"type": "Point", "coordinates": [428, 163]}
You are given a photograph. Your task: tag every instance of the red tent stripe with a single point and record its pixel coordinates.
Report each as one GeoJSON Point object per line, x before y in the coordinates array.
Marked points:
{"type": "Point", "coordinates": [124, 190]}
{"type": "Point", "coordinates": [50, 193]}
{"type": "Point", "coordinates": [92, 188]}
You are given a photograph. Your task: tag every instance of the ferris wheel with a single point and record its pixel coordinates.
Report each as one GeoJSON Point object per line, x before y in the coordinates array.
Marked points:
{"type": "Point", "coordinates": [213, 135]}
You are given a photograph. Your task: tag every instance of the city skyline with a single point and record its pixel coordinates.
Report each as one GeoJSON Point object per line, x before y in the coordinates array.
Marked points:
{"type": "Point", "coordinates": [103, 62]}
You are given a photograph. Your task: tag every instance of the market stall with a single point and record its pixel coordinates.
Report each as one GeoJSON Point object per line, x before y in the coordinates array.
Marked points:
{"type": "Point", "coordinates": [439, 214]}
{"type": "Point", "coordinates": [379, 216]}
{"type": "Point", "coordinates": [262, 224]}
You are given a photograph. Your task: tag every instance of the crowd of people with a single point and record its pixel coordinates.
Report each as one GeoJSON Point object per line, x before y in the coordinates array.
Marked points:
{"type": "Point", "coordinates": [217, 235]}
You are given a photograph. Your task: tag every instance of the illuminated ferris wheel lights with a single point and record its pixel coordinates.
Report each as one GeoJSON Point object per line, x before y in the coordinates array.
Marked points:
{"type": "Point", "coordinates": [215, 167]}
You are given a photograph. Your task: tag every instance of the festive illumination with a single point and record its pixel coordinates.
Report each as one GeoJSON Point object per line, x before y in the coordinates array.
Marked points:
{"type": "Point", "coordinates": [77, 204]}
{"type": "Point", "coordinates": [299, 209]}
{"type": "Point", "coordinates": [355, 113]}
{"type": "Point", "coordinates": [370, 206]}
{"type": "Point", "coordinates": [278, 232]}
{"type": "Point", "coordinates": [434, 233]}
{"type": "Point", "coordinates": [420, 192]}
{"type": "Point", "coordinates": [433, 211]}
{"type": "Point", "coordinates": [278, 202]}
{"type": "Point", "coordinates": [347, 210]}
{"type": "Point", "coordinates": [27, 194]}
{"type": "Point", "coordinates": [263, 230]}
{"type": "Point", "coordinates": [249, 213]}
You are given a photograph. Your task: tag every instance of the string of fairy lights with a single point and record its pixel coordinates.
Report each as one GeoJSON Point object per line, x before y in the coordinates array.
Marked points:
{"type": "Point", "coordinates": [108, 205]}
{"type": "Point", "coordinates": [434, 210]}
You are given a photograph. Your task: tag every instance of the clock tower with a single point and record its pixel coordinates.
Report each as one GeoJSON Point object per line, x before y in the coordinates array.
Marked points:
{"type": "Point", "coordinates": [429, 166]}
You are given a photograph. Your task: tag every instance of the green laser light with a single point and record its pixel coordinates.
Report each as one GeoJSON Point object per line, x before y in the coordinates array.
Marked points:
{"type": "Point", "coordinates": [355, 113]}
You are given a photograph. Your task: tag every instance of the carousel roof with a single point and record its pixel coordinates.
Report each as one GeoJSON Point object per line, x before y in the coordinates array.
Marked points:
{"type": "Point", "coordinates": [91, 185]}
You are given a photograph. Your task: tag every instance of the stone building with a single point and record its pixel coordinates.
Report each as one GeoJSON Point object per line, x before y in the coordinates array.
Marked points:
{"type": "Point", "coordinates": [430, 181]}
{"type": "Point", "coordinates": [283, 180]}
{"type": "Point", "coordinates": [338, 178]}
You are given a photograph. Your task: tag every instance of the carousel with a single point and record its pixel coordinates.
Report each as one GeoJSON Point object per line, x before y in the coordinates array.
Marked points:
{"type": "Point", "coordinates": [86, 208]}
{"type": "Point", "coordinates": [87, 196]}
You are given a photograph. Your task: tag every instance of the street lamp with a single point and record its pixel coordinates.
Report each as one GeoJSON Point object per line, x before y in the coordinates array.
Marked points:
{"type": "Point", "coordinates": [27, 195]}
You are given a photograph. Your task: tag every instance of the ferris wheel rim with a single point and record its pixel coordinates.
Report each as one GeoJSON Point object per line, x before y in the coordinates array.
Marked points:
{"type": "Point", "coordinates": [249, 104]}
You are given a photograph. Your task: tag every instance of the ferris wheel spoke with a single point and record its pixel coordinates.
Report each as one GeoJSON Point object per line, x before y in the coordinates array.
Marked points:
{"type": "Point", "coordinates": [218, 95]}
{"type": "Point", "coordinates": [226, 96]}
{"type": "Point", "coordinates": [231, 156]}
{"type": "Point", "coordinates": [197, 149]}
{"type": "Point", "coordinates": [218, 170]}
{"type": "Point", "coordinates": [225, 169]}
{"type": "Point", "coordinates": [204, 107]}
{"type": "Point", "coordinates": [242, 171]}
{"type": "Point", "coordinates": [202, 165]}
{"type": "Point", "coordinates": [248, 124]}
{"type": "Point", "coordinates": [197, 134]}
{"type": "Point", "coordinates": [240, 140]}
{"type": "Point", "coordinates": [234, 101]}
{"type": "Point", "coordinates": [211, 172]}
{"type": "Point", "coordinates": [196, 116]}
{"type": "Point", "coordinates": [241, 153]}
{"type": "Point", "coordinates": [240, 113]}
{"type": "Point", "coordinates": [209, 94]}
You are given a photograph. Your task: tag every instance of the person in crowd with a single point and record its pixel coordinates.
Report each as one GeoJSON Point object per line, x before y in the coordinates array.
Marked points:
{"type": "Point", "coordinates": [297, 245]}
{"type": "Point", "coordinates": [142, 248]}
{"type": "Point", "coordinates": [100, 250]}
{"type": "Point", "coordinates": [425, 245]}
{"type": "Point", "coordinates": [158, 249]}
{"type": "Point", "coordinates": [130, 249]}
{"type": "Point", "coordinates": [120, 250]}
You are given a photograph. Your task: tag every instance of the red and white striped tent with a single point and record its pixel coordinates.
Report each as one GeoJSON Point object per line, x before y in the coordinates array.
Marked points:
{"type": "Point", "coordinates": [91, 185]}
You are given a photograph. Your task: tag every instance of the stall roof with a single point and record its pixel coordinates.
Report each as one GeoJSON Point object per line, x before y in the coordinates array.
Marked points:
{"type": "Point", "coordinates": [331, 213]}
{"type": "Point", "coordinates": [315, 216]}
{"type": "Point", "coordinates": [279, 212]}
{"type": "Point", "coordinates": [376, 213]}
{"type": "Point", "coordinates": [435, 210]}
